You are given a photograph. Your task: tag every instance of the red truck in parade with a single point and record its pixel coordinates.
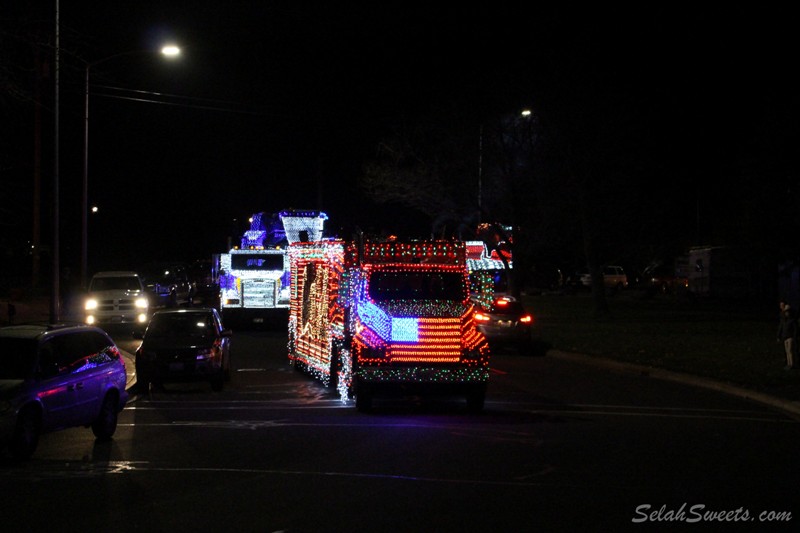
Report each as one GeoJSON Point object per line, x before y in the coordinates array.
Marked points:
{"type": "Point", "coordinates": [373, 317]}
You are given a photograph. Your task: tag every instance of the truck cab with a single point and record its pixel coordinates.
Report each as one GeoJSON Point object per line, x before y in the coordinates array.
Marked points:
{"type": "Point", "coordinates": [116, 297]}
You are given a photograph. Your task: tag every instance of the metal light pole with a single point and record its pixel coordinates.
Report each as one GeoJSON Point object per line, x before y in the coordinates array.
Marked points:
{"type": "Point", "coordinates": [55, 275]}
{"type": "Point", "coordinates": [480, 172]}
{"type": "Point", "coordinates": [168, 51]}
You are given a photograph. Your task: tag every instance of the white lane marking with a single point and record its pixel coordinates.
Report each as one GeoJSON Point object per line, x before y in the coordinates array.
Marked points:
{"type": "Point", "coordinates": [104, 468]}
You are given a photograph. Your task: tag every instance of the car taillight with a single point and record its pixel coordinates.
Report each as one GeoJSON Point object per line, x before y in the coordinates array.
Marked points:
{"type": "Point", "coordinates": [526, 319]}
{"type": "Point", "coordinates": [480, 317]}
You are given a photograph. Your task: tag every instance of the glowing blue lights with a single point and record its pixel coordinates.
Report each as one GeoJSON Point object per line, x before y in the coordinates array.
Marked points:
{"type": "Point", "coordinates": [405, 330]}
{"type": "Point", "coordinates": [394, 329]}
{"type": "Point", "coordinates": [375, 319]}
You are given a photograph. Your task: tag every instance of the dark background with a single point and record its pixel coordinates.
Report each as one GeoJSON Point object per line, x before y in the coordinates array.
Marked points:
{"type": "Point", "coordinates": [274, 106]}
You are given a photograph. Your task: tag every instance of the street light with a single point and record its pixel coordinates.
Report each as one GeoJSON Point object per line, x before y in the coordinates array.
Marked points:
{"type": "Point", "coordinates": [169, 50]}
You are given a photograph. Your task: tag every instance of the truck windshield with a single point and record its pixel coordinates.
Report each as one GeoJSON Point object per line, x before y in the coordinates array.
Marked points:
{"type": "Point", "coordinates": [257, 262]}
{"type": "Point", "coordinates": [411, 285]}
{"type": "Point", "coordinates": [126, 283]}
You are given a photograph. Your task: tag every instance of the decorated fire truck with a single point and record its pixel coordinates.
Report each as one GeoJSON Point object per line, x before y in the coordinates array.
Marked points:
{"type": "Point", "coordinates": [254, 278]}
{"type": "Point", "coordinates": [373, 317]}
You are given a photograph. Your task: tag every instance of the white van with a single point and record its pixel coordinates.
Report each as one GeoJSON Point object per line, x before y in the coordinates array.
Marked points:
{"type": "Point", "coordinates": [614, 277]}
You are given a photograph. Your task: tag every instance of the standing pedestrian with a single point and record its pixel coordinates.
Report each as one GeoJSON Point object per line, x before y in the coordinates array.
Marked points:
{"type": "Point", "coordinates": [787, 333]}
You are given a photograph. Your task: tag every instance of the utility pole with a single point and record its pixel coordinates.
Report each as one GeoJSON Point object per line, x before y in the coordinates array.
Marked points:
{"type": "Point", "coordinates": [55, 292]}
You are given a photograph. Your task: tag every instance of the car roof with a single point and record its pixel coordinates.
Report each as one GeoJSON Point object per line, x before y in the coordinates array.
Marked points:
{"type": "Point", "coordinates": [34, 331]}
{"type": "Point", "coordinates": [115, 274]}
{"type": "Point", "coordinates": [183, 310]}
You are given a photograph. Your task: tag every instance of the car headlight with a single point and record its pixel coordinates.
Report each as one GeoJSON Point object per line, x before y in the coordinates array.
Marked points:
{"type": "Point", "coordinates": [90, 304]}
{"type": "Point", "coordinates": [141, 303]}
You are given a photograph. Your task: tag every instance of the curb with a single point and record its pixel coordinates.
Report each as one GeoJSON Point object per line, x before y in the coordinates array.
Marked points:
{"type": "Point", "coordinates": [130, 368]}
{"type": "Point", "coordinates": [791, 408]}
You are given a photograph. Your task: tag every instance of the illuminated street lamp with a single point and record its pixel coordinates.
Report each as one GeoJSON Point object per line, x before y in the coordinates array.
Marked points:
{"type": "Point", "coordinates": [170, 51]}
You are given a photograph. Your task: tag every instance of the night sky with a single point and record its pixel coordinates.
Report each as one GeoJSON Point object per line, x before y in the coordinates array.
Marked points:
{"type": "Point", "coordinates": [278, 105]}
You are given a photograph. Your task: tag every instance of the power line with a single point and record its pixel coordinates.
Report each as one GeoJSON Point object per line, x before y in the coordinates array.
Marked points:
{"type": "Point", "coordinates": [176, 100]}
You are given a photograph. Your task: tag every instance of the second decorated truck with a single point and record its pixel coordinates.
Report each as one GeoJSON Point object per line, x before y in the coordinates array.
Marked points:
{"type": "Point", "coordinates": [373, 317]}
{"type": "Point", "coordinates": [254, 278]}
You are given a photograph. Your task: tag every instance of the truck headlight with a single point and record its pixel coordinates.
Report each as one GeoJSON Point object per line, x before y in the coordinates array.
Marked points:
{"type": "Point", "coordinates": [90, 304]}
{"type": "Point", "coordinates": [141, 303]}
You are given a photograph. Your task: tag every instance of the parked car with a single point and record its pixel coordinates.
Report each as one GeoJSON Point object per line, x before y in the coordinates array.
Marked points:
{"type": "Point", "coordinates": [167, 283]}
{"type": "Point", "coordinates": [663, 279]}
{"type": "Point", "coordinates": [58, 377]}
{"type": "Point", "coordinates": [505, 321]}
{"type": "Point", "coordinates": [204, 290]}
{"type": "Point", "coordinates": [116, 297]}
{"type": "Point", "coordinates": [614, 277]}
{"type": "Point", "coordinates": [544, 276]}
{"type": "Point", "coordinates": [188, 344]}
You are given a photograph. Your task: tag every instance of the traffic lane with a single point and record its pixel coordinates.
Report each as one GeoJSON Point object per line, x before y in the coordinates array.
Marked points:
{"type": "Point", "coordinates": [658, 419]}
{"type": "Point", "coordinates": [276, 444]}
{"type": "Point", "coordinates": [312, 461]}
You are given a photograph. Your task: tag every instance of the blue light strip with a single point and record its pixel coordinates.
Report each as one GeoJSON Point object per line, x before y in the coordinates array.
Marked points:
{"type": "Point", "coordinates": [375, 319]}
{"type": "Point", "coordinates": [386, 327]}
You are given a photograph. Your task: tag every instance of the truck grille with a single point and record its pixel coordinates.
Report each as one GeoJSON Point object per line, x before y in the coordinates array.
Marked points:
{"type": "Point", "coordinates": [259, 293]}
{"type": "Point", "coordinates": [122, 304]}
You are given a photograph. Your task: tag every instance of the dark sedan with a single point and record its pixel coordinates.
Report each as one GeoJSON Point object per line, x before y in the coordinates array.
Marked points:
{"type": "Point", "coordinates": [184, 345]}
{"type": "Point", "coordinates": [505, 321]}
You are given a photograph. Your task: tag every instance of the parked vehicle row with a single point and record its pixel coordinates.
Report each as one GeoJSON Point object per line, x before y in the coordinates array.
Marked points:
{"type": "Point", "coordinates": [167, 283]}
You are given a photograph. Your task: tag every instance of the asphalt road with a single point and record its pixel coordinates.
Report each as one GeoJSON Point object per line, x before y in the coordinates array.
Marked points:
{"type": "Point", "coordinates": [560, 446]}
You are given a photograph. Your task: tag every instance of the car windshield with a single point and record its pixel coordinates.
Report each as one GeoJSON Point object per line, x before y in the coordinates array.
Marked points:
{"type": "Point", "coordinates": [507, 308]}
{"type": "Point", "coordinates": [125, 283]}
{"type": "Point", "coordinates": [16, 357]}
{"type": "Point", "coordinates": [159, 276]}
{"type": "Point", "coordinates": [180, 325]}
{"type": "Point", "coordinates": [388, 285]}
